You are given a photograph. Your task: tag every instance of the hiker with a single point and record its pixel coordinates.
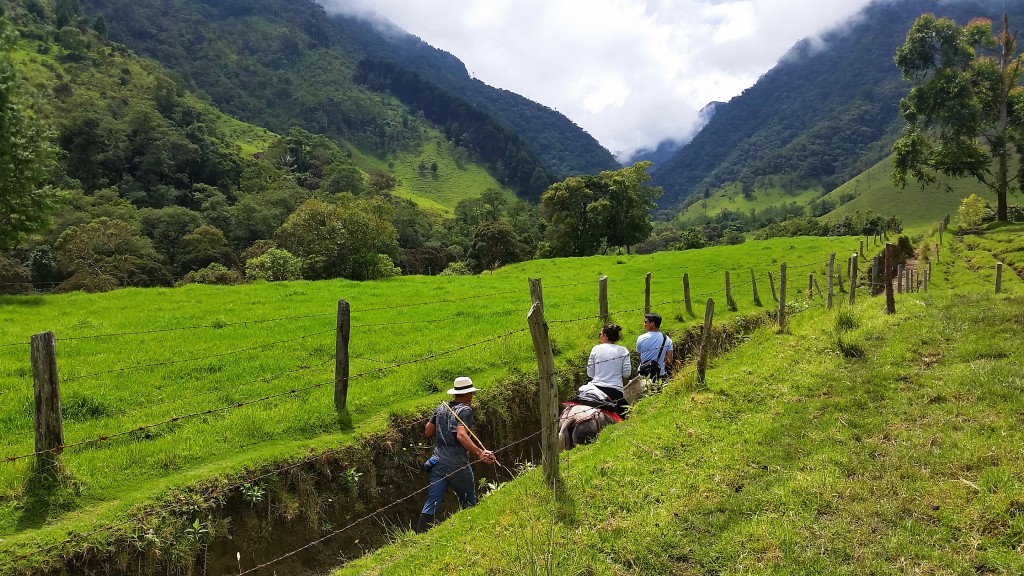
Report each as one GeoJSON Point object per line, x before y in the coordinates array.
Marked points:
{"type": "Point", "coordinates": [607, 366]}
{"type": "Point", "coordinates": [655, 349]}
{"type": "Point", "coordinates": [450, 426]}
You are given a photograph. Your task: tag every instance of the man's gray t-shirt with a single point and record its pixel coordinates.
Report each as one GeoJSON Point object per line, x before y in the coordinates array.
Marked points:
{"type": "Point", "coordinates": [446, 443]}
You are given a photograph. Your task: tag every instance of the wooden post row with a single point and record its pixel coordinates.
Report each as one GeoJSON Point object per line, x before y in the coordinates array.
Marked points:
{"type": "Point", "coordinates": [548, 393]}
{"type": "Point", "coordinates": [853, 279]}
{"type": "Point", "coordinates": [602, 297]}
{"type": "Point", "coordinates": [782, 296]}
{"type": "Point", "coordinates": [705, 341]}
{"type": "Point", "coordinates": [890, 298]}
{"type": "Point", "coordinates": [686, 294]}
{"type": "Point", "coordinates": [49, 423]}
{"type": "Point", "coordinates": [647, 293]}
{"type": "Point", "coordinates": [341, 364]}
{"type": "Point", "coordinates": [753, 284]}
{"type": "Point", "coordinates": [831, 273]}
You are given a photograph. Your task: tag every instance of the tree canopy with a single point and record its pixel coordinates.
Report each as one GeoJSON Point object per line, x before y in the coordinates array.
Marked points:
{"type": "Point", "coordinates": [589, 214]}
{"type": "Point", "coordinates": [26, 155]}
{"type": "Point", "coordinates": [966, 107]}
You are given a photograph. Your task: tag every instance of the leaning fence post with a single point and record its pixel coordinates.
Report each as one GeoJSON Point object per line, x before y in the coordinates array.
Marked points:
{"type": "Point", "coordinates": [999, 277]}
{"type": "Point", "coordinates": [853, 279]}
{"type": "Point", "coordinates": [548, 392]}
{"type": "Point", "coordinates": [536, 293]}
{"type": "Point", "coordinates": [753, 284]}
{"type": "Point", "coordinates": [728, 293]}
{"type": "Point", "coordinates": [686, 294]}
{"type": "Point", "coordinates": [771, 282]}
{"type": "Point", "coordinates": [890, 298]}
{"type": "Point", "coordinates": [647, 293]}
{"type": "Point", "coordinates": [705, 341]}
{"type": "Point", "coordinates": [831, 272]}
{"type": "Point", "coordinates": [602, 297]}
{"type": "Point", "coordinates": [782, 296]}
{"type": "Point", "coordinates": [49, 424]}
{"type": "Point", "coordinates": [816, 287]}
{"type": "Point", "coordinates": [341, 355]}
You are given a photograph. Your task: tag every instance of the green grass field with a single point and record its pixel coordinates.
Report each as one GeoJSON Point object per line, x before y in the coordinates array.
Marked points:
{"type": "Point", "coordinates": [442, 190]}
{"type": "Point", "coordinates": [198, 348]}
{"type": "Point", "coordinates": [920, 208]}
{"type": "Point", "coordinates": [854, 443]}
{"type": "Point", "coordinates": [730, 198]}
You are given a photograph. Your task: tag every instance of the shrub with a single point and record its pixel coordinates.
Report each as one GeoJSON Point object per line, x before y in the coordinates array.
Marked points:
{"type": "Point", "coordinates": [971, 212]}
{"type": "Point", "coordinates": [275, 265]}
{"type": "Point", "coordinates": [15, 278]}
{"type": "Point", "coordinates": [385, 268]}
{"type": "Point", "coordinates": [457, 268]}
{"type": "Point", "coordinates": [215, 273]}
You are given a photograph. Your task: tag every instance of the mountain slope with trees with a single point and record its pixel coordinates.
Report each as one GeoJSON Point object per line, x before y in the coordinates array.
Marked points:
{"type": "Point", "coordinates": [828, 111]}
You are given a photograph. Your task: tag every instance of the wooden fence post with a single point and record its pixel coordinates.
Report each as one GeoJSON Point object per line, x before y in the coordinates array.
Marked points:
{"type": "Point", "coordinates": [771, 282]}
{"type": "Point", "coordinates": [536, 292]}
{"type": "Point", "coordinates": [49, 424]}
{"type": "Point", "coordinates": [705, 341]}
{"type": "Point", "coordinates": [686, 294]}
{"type": "Point", "coordinates": [839, 277]}
{"type": "Point", "coordinates": [548, 393]}
{"type": "Point", "coordinates": [647, 293]}
{"type": "Point", "coordinates": [602, 297]}
{"type": "Point", "coordinates": [341, 355]}
{"type": "Point", "coordinates": [817, 288]}
{"type": "Point", "coordinates": [999, 277]}
{"type": "Point", "coordinates": [853, 279]}
{"type": "Point", "coordinates": [890, 298]}
{"type": "Point", "coordinates": [937, 252]}
{"type": "Point", "coordinates": [899, 279]}
{"type": "Point", "coordinates": [831, 273]}
{"type": "Point", "coordinates": [782, 296]}
{"type": "Point", "coordinates": [728, 294]}
{"type": "Point", "coordinates": [753, 284]}
{"type": "Point", "coordinates": [810, 286]}
{"type": "Point", "coordinates": [924, 280]}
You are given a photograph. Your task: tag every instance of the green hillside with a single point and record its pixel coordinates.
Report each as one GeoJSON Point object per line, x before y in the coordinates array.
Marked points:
{"type": "Point", "coordinates": [731, 198]}
{"type": "Point", "coordinates": [853, 443]}
{"type": "Point", "coordinates": [918, 207]}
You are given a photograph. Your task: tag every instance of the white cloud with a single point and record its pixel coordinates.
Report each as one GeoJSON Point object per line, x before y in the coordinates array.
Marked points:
{"type": "Point", "coordinates": [630, 72]}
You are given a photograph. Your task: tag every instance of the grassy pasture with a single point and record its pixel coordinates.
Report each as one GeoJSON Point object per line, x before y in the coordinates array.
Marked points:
{"type": "Point", "coordinates": [112, 384]}
{"type": "Point", "coordinates": [730, 197]}
{"type": "Point", "coordinates": [442, 190]}
{"type": "Point", "coordinates": [920, 208]}
{"type": "Point", "coordinates": [855, 443]}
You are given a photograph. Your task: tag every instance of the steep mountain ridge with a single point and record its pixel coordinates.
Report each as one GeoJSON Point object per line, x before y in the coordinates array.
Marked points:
{"type": "Point", "coordinates": [819, 117]}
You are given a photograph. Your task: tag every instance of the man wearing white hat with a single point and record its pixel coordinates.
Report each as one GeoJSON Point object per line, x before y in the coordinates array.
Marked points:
{"type": "Point", "coordinates": [450, 427]}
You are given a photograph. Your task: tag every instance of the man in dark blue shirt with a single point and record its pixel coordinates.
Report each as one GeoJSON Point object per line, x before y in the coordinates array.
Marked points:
{"type": "Point", "coordinates": [450, 427]}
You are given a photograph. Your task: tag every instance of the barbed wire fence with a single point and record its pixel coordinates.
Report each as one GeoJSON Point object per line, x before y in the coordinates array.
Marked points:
{"type": "Point", "coordinates": [295, 391]}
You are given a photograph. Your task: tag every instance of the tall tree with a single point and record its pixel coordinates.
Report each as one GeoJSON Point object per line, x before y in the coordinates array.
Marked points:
{"type": "Point", "coordinates": [964, 106]}
{"type": "Point", "coordinates": [590, 213]}
{"type": "Point", "coordinates": [26, 155]}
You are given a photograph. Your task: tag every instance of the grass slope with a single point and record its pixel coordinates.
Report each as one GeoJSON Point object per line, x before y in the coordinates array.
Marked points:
{"type": "Point", "coordinates": [919, 207]}
{"type": "Point", "coordinates": [730, 198]}
{"type": "Point", "coordinates": [854, 443]}
{"type": "Point", "coordinates": [116, 383]}
{"type": "Point", "coordinates": [439, 191]}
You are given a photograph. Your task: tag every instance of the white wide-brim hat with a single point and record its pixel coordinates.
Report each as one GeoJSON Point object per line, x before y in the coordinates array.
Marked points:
{"type": "Point", "coordinates": [463, 385]}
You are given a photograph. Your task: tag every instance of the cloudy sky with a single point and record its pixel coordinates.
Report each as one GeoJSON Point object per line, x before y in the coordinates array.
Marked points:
{"type": "Point", "coordinates": [629, 72]}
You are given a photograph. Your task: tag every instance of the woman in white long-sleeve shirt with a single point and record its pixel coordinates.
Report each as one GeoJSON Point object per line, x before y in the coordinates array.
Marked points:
{"type": "Point", "coordinates": [609, 364]}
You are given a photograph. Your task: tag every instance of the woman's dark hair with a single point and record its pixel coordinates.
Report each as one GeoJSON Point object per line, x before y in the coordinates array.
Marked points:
{"type": "Point", "coordinates": [612, 331]}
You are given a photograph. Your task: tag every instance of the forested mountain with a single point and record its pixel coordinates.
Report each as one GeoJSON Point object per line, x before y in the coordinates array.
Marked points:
{"type": "Point", "coordinates": [828, 111]}
{"type": "Point", "coordinates": [276, 63]}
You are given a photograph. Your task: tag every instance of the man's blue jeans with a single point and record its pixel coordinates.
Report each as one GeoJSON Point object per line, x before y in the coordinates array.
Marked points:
{"type": "Point", "coordinates": [460, 479]}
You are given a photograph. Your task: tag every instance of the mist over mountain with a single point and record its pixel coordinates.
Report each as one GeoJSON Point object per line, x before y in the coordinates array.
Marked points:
{"type": "Point", "coordinates": [828, 111]}
{"type": "Point", "coordinates": [666, 149]}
